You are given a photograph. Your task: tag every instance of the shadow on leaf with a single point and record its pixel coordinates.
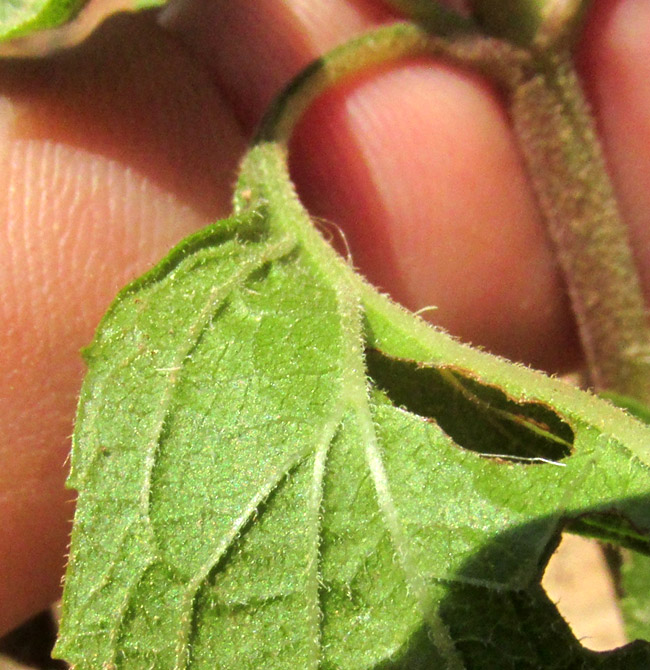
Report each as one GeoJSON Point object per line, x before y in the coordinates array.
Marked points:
{"type": "Point", "coordinates": [518, 628]}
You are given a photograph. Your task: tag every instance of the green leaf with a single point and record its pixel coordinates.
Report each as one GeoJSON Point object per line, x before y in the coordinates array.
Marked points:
{"type": "Point", "coordinates": [19, 18]}
{"type": "Point", "coordinates": [631, 405]}
{"type": "Point", "coordinates": [635, 600]}
{"type": "Point", "coordinates": [279, 468]}
{"type": "Point", "coordinates": [526, 22]}
{"type": "Point", "coordinates": [22, 17]}
{"type": "Point", "coordinates": [632, 569]}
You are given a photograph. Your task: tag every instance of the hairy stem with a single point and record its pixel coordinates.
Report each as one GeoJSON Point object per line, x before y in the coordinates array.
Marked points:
{"type": "Point", "coordinates": [565, 165]}
{"type": "Point", "coordinates": [374, 48]}
{"type": "Point", "coordinates": [493, 58]}
{"type": "Point", "coordinates": [568, 172]}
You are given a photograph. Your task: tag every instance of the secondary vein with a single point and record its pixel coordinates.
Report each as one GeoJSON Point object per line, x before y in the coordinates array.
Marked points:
{"type": "Point", "coordinates": [258, 258]}
{"type": "Point", "coordinates": [189, 598]}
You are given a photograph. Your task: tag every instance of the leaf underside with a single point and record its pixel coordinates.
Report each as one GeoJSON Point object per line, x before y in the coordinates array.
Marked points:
{"type": "Point", "coordinates": [23, 17]}
{"type": "Point", "coordinates": [635, 587]}
{"type": "Point", "coordinates": [278, 469]}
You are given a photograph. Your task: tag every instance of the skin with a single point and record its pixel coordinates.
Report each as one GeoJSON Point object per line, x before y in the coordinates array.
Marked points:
{"type": "Point", "coordinates": [120, 147]}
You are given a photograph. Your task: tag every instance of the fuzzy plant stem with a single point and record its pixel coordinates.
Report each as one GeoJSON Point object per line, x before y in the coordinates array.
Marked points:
{"type": "Point", "coordinates": [567, 169]}
{"type": "Point", "coordinates": [358, 55]}
{"type": "Point", "coordinates": [565, 165]}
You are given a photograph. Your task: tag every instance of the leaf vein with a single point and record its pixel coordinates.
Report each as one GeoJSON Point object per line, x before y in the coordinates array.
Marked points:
{"type": "Point", "coordinates": [188, 603]}
{"type": "Point", "coordinates": [272, 251]}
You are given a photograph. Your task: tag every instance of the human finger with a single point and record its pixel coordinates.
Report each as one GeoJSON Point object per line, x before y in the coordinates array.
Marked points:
{"type": "Point", "coordinates": [113, 151]}
{"type": "Point", "coordinates": [416, 163]}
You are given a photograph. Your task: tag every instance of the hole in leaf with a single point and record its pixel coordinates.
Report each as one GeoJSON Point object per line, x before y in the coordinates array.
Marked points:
{"type": "Point", "coordinates": [476, 416]}
{"type": "Point", "coordinates": [578, 580]}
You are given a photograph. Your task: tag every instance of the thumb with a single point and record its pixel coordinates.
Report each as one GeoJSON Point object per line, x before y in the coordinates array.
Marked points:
{"type": "Point", "coordinates": [113, 151]}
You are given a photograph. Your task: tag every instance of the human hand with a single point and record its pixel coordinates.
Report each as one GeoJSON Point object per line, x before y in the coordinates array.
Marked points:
{"type": "Point", "coordinates": [124, 145]}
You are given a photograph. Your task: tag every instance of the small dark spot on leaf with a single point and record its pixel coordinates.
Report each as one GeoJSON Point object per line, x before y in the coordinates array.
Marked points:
{"type": "Point", "coordinates": [258, 277]}
{"type": "Point", "coordinates": [477, 416]}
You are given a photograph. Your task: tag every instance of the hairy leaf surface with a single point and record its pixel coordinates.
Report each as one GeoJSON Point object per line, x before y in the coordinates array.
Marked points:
{"type": "Point", "coordinates": [22, 17]}
{"type": "Point", "coordinates": [279, 468]}
{"type": "Point", "coordinates": [635, 591]}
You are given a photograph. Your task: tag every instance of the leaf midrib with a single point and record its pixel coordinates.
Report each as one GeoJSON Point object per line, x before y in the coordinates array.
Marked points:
{"type": "Point", "coordinates": [267, 171]}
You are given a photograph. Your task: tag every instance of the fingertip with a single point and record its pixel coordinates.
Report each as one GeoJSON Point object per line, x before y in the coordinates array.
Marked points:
{"type": "Point", "coordinates": [253, 54]}
{"type": "Point", "coordinates": [111, 153]}
{"type": "Point", "coordinates": [417, 163]}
